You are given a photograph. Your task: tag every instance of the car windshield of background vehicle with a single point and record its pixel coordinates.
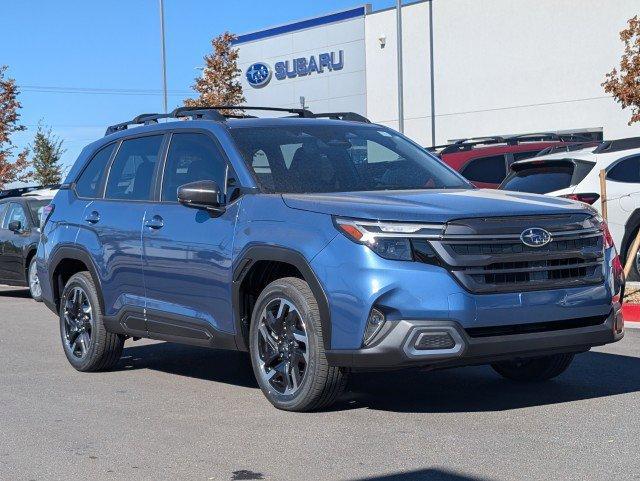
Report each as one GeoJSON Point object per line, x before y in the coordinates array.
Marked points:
{"type": "Point", "coordinates": [539, 178]}
{"type": "Point", "coordinates": [345, 158]}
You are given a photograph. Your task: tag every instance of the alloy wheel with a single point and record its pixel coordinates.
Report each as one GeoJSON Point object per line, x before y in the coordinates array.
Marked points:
{"type": "Point", "coordinates": [78, 315]}
{"type": "Point", "coordinates": [283, 346]}
{"type": "Point", "coordinates": [34, 282]}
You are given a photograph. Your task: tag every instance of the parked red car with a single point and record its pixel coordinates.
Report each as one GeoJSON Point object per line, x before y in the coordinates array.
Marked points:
{"type": "Point", "coordinates": [485, 161]}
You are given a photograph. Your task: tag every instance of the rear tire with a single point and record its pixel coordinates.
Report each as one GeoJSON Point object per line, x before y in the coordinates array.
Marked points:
{"type": "Point", "coordinates": [87, 344]}
{"type": "Point", "coordinates": [287, 349]}
{"type": "Point", "coordinates": [535, 369]}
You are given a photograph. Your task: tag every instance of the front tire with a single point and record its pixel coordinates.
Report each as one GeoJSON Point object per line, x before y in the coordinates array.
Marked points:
{"type": "Point", "coordinates": [87, 344]}
{"type": "Point", "coordinates": [536, 369]}
{"type": "Point", "coordinates": [34, 283]}
{"type": "Point", "coordinates": [287, 349]}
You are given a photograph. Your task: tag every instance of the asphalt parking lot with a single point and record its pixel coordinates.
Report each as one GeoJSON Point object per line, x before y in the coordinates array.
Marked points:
{"type": "Point", "coordinates": [176, 412]}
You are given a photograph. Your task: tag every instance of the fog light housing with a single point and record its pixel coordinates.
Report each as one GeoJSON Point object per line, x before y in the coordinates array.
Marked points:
{"type": "Point", "coordinates": [375, 321]}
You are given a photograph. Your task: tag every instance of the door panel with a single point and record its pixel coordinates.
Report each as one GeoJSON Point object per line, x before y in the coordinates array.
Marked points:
{"type": "Point", "coordinates": [113, 225]}
{"type": "Point", "coordinates": [187, 267]}
{"type": "Point", "coordinates": [111, 233]}
{"type": "Point", "coordinates": [187, 252]}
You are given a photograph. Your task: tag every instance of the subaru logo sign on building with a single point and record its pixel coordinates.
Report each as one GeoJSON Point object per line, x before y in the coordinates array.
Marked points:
{"type": "Point", "coordinates": [258, 75]}
{"type": "Point", "coordinates": [535, 237]}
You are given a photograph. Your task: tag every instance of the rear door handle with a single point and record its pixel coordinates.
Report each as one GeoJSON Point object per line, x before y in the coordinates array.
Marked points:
{"type": "Point", "coordinates": [93, 218]}
{"type": "Point", "coordinates": [156, 222]}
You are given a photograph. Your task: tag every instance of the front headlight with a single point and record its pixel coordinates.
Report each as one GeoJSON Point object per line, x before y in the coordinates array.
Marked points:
{"type": "Point", "coordinates": [401, 241]}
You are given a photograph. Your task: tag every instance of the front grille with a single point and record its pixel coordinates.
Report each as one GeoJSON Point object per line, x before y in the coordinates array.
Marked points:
{"type": "Point", "coordinates": [536, 327]}
{"type": "Point", "coordinates": [520, 248]}
{"type": "Point", "coordinates": [486, 262]}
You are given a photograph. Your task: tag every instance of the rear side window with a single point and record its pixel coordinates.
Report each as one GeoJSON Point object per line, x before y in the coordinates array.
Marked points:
{"type": "Point", "coordinates": [627, 170]}
{"type": "Point", "coordinates": [491, 170]}
{"type": "Point", "coordinates": [542, 178]}
{"type": "Point", "coordinates": [191, 157]}
{"type": "Point", "coordinates": [90, 179]}
{"type": "Point", "coordinates": [131, 174]}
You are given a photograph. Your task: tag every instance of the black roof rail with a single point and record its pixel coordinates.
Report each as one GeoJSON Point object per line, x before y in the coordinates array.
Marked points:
{"type": "Point", "coordinates": [351, 116]}
{"type": "Point", "coordinates": [618, 145]}
{"type": "Point", "coordinates": [577, 135]}
{"type": "Point", "coordinates": [214, 113]}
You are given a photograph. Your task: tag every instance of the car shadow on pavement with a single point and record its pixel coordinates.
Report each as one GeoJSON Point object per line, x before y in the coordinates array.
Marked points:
{"type": "Point", "coordinates": [468, 389]}
{"type": "Point", "coordinates": [217, 365]}
{"type": "Point", "coordinates": [19, 292]}
{"type": "Point", "coordinates": [423, 475]}
{"type": "Point", "coordinates": [476, 389]}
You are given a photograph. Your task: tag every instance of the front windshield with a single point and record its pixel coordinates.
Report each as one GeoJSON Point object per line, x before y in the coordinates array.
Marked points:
{"type": "Point", "coordinates": [339, 158]}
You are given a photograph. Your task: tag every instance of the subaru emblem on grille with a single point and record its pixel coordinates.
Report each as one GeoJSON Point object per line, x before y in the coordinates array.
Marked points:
{"type": "Point", "coordinates": [535, 237]}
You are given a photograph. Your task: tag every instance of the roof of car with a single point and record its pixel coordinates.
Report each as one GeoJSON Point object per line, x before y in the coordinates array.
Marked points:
{"type": "Point", "coordinates": [586, 154]}
{"type": "Point", "coordinates": [25, 199]}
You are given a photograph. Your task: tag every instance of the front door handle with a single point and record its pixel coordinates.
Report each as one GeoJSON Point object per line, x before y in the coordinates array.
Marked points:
{"type": "Point", "coordinates": [156, 222]}
{"type": "Point", "coordinates": [93, 218]}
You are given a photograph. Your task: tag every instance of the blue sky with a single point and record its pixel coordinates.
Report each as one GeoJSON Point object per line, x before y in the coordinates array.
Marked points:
{"type": "Point", "coordinates": [115, 45]}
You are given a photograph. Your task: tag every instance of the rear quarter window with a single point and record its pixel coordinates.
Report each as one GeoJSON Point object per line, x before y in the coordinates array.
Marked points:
{"type": "Point", "coordinates": [89, 181]}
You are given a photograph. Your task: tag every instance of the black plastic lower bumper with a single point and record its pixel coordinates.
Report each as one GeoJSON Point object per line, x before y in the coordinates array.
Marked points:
{"type": "Point", "coordinates": [397, 349]}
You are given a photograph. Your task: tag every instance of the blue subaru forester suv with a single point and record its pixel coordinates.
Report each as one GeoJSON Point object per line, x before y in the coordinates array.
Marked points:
{"type": "Point", "coordinates": [321, 244]}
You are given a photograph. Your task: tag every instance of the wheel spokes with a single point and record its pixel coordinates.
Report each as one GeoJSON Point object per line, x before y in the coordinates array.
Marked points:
{"type": "Point", "coordinates": [283, 346]}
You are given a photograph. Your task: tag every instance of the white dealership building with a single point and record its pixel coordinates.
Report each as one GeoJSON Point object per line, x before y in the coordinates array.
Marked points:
{"type": "Point", "coordinates": [470, 67]}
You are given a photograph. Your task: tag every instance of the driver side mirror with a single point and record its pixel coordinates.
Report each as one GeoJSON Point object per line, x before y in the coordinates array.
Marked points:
{"type": "Point", "coordinates": [203, 194]}
{"type": "Point", "coordinates": [15, 226]}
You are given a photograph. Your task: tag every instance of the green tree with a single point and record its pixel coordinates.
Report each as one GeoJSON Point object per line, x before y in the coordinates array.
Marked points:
{"type": "Point", "coordinates": [9, 124]}
{"type": "Point", "coordinates": [47, 150]}
{"type": "Point", "coordinates": [219, 84]}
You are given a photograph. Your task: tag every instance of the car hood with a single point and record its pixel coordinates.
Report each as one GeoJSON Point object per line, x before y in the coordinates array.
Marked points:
{"type": "Point", "coordinates": [431, 205]}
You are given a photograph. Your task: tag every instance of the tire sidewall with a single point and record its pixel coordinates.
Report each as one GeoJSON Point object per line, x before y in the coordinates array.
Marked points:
{"type": "Point", "coordinates": [283, 289]}
{"type": "Point", "coordinates": [80, 280]}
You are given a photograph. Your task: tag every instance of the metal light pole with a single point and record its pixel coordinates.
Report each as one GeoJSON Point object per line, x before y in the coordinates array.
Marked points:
{"type": "Point", "coordinates": [399, 55]}
{"type": "Point", "coordinates": [433, 91]}
{"type": "Point", "coordinates": [164, 59]}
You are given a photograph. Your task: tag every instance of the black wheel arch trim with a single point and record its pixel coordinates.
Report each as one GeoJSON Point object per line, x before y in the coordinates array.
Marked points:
{"type": "Point", "coordinates": [77, 253]}
{"type": "Point", "coordinates": [256, 253]}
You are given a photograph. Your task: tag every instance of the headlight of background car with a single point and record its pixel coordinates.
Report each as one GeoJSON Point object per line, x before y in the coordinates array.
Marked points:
{"type": "Point", "coordinates": [394, 240]}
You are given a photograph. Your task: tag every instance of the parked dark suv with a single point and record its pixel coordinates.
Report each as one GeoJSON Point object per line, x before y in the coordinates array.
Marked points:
{"type": "Point", "coordinates": [320, 244]}
{"type": "Point", "coordinates": [19, 235]}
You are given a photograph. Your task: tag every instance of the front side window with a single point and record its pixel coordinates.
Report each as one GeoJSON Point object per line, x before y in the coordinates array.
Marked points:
{"type": "Point", "coordinates": [627, 170]}
{"type": "Point", "coordinates": [131, 174]}
{"type": "Point", "coordinates": [339, 158]}
{"type": "Point", "coordinates": [15, 213]}
{"type": "Point", "coordinates": [489, 170]}
{"type": "Point", "coordinates": [90, 179]}
{"type": "Point", "coordinates": [191, 157]}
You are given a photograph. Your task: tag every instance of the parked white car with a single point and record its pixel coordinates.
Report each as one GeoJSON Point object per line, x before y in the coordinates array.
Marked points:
{"type": "Point", "coordinates": [575, 175]}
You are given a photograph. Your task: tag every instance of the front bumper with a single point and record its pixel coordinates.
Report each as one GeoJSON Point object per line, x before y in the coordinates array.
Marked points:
{"type": "Point", "coordinates": [396, 348]}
